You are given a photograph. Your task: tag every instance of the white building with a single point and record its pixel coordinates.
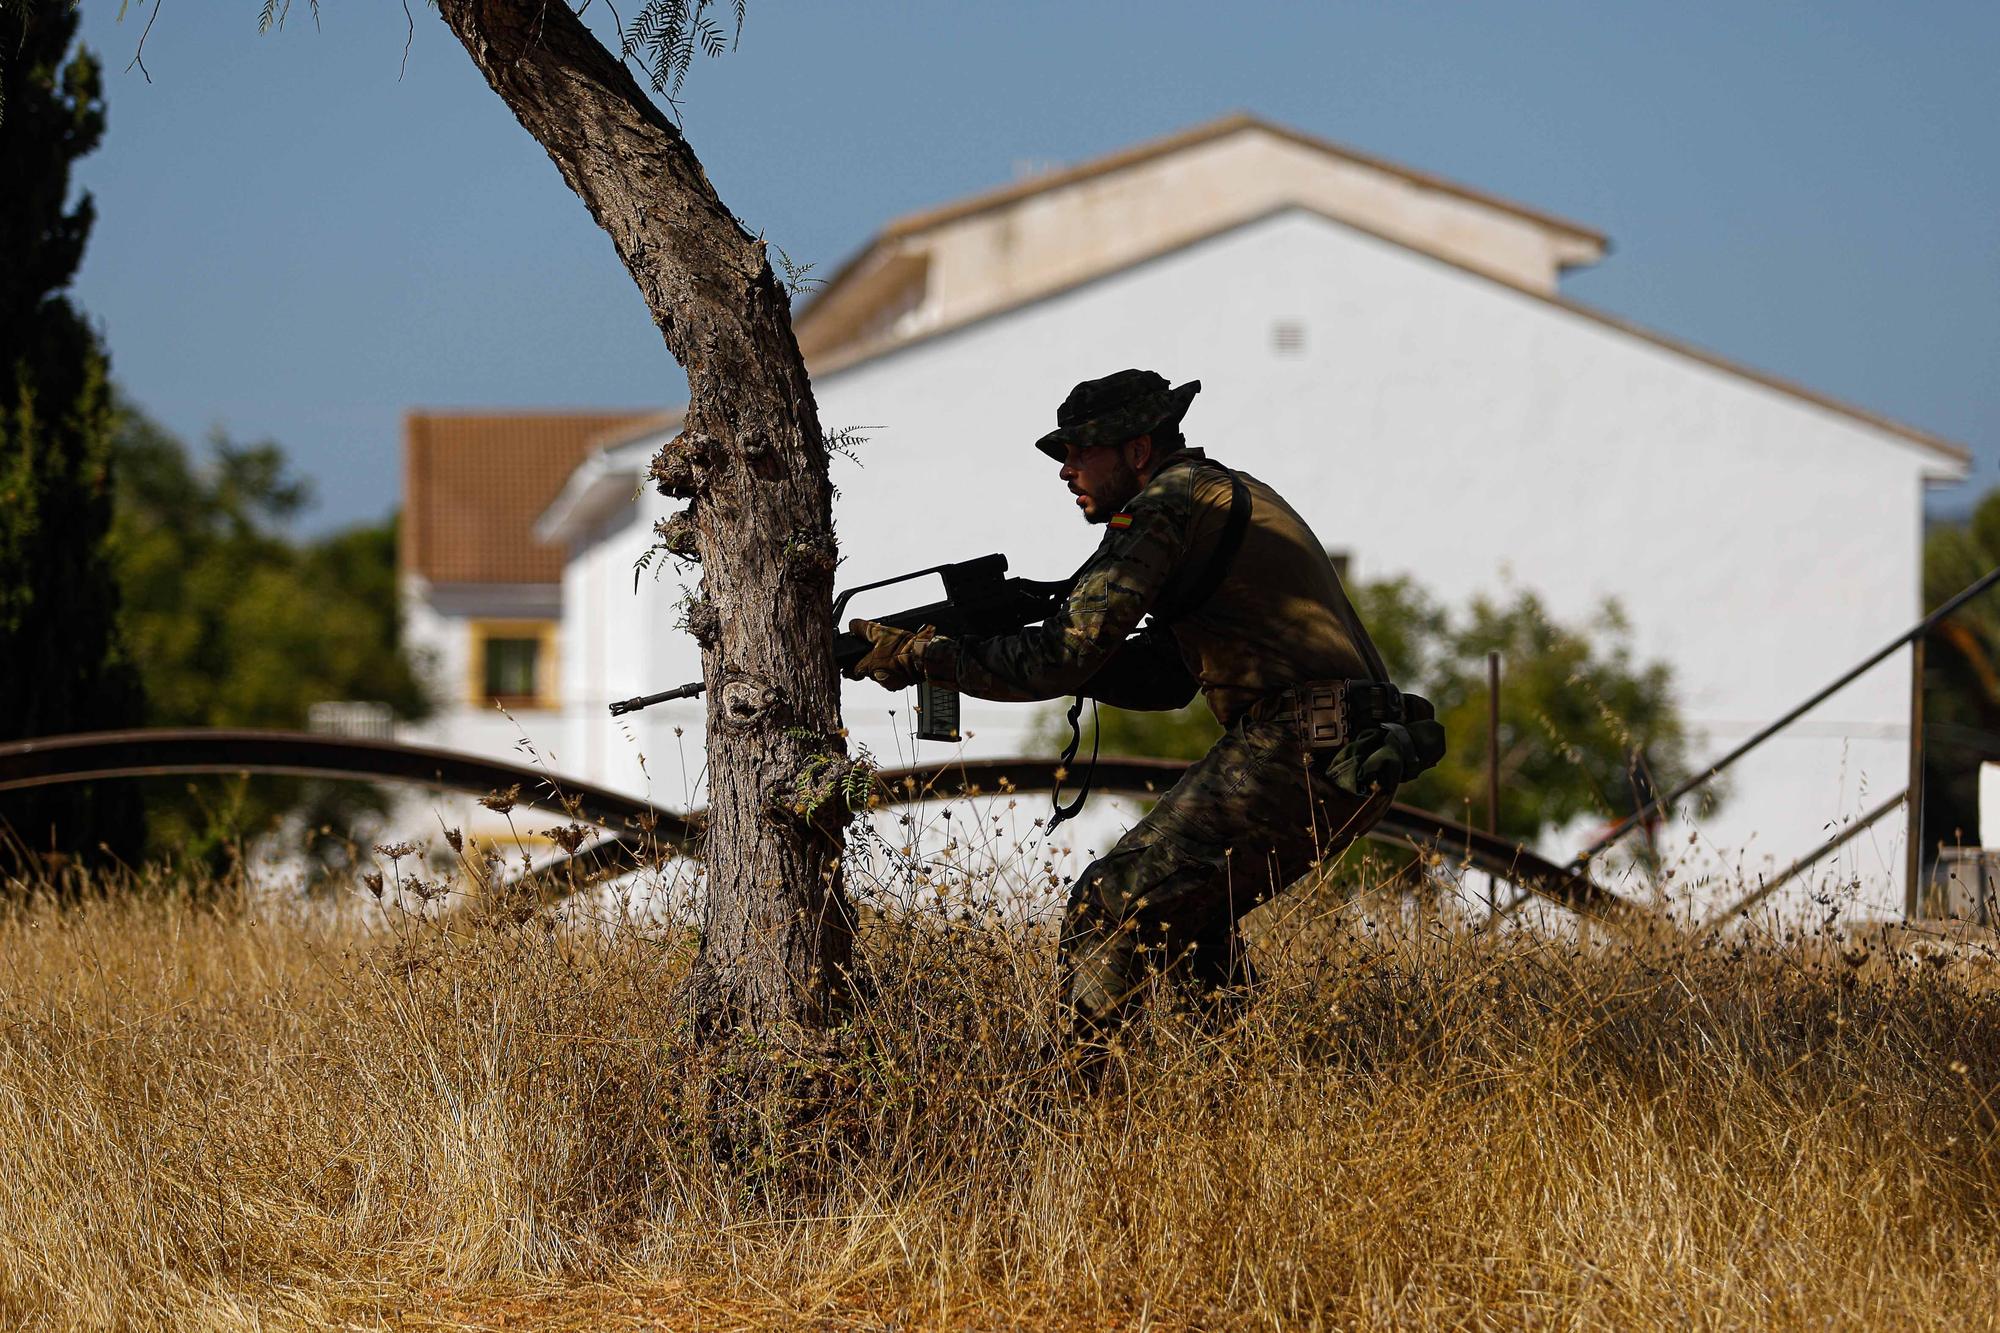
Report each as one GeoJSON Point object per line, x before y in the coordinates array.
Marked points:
{"type": "Point", "coordinates": [481, 598]}
{"type": "Point", "coordinates": [1362, 330]}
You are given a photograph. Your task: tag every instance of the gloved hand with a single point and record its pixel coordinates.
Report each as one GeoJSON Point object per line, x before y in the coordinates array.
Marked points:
{"type": "Point", "coordinates": [1383, 757]}
{"type": "Point", "coordinates": [896, 661]}
{"type": "Point", "coordinates": [1374, 759]}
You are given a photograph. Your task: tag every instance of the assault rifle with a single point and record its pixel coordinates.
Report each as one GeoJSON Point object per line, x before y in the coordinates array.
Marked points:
{"type": "Point", "coordinates": [979, 599]}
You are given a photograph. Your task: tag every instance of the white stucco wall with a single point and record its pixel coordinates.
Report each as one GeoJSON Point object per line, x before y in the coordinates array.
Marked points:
{"type": "Point", "coordinates": [437, 629]}
{"type": "Point", "coordinates": [1435, 423]}
{"type": "Point", "coordinates": [634, 650]}
{"type": "Point", "coordinates": [931, 273]}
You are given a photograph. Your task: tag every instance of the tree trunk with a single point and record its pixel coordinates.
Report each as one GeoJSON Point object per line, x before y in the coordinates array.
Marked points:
{"type": "Point", "coordinates": [752, 464]}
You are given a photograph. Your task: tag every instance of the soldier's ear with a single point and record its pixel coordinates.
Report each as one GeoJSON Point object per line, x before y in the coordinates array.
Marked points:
{"type": "Point", "coordinates": [1139, 452]}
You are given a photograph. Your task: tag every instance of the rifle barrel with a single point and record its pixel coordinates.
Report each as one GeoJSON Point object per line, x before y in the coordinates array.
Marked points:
{"type": "Point", "coordinates": [687, 691]}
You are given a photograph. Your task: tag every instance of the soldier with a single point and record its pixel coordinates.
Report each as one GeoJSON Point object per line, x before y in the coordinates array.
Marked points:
{"type": "Point", "coordinates": [1245, 606]}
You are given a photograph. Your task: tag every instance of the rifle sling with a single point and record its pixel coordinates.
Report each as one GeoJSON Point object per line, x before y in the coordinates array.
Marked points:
{"type": "Point", "coordinates": [1220, 560]}
{"type": "Point", "coordinates": [1064, 810]}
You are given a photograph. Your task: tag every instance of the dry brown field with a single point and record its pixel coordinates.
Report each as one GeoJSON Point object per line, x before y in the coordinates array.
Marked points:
{"type": "Point", "coordinates": [226, 1113]}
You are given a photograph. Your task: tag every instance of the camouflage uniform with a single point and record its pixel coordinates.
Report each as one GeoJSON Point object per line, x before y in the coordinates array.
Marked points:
{"type": "Point", "coordinates": [1251, 815]}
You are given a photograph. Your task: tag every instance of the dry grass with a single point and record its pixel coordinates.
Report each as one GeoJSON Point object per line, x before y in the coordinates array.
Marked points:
{"type": "Point", "coordinates": [235, 1118]}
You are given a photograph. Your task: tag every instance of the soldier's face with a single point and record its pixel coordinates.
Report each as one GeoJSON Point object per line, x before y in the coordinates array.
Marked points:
{"type": "Point", "coordinates": [1101, 478]}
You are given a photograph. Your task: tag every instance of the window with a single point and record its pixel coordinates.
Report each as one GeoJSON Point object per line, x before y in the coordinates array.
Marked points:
{"type": "Point", "coordinates": [513, 663]}
{"type": "Point", "coordinates": [510, 668]}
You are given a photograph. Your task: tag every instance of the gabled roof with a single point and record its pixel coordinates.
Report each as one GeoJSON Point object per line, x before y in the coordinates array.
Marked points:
{"type": "Point", "coordinates": [1956, 454]}
{"type": "Point", "coordinates": [1235, 122]}
{"type": "Point", "coordinates": [475, 482]}
{"type": "Point", "coordinates": [948, 264]}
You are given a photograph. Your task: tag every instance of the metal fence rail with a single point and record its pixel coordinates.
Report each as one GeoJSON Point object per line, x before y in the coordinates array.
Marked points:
{"type": "Point", "coordinates": [1660, 805]}
{"type": "Point", "coordinates": [634, 824]}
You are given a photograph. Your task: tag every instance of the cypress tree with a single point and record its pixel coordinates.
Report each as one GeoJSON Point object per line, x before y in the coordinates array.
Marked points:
{"type": "Point", "coordinates": [62, 665]}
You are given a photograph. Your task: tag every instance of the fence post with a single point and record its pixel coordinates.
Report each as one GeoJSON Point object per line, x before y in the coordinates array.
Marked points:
{"type": "Point", "coordinates": [1492, 762]}
{"type": "Point", "coordinates": [1912, 885]}
{"type": "Point", "coordinates": [1493, 742]}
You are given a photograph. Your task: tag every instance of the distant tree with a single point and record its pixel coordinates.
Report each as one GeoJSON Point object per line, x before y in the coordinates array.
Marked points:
{"type": "Point", "coordinates": [1961, 676]}
{"type": "Point", "coordinates": [62, 667]}
{"type": "Point", "coordinates": [1585, 731]}
{"type": "Point", "coordinates": [233, 623]}
{"type": "Point", "coordinates": [1583, 728]}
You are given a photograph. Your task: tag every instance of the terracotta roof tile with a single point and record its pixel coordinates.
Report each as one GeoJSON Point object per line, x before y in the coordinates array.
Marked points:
{"type": "Point", "coordinates": [475, 482]}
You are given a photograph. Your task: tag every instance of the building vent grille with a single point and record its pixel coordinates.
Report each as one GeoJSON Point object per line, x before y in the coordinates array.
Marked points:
{"type": "Point", "coordinates": [1288, 337]}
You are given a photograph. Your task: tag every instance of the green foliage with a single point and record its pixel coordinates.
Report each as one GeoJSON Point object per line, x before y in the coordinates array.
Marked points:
{"type": "Point", "coordinates": [234, 624]}
{"type": "Point", "coordinates": [275, 12]}
{"type": "Point", "coordinates": [664, 35]}
{"type": "Point", "coordinates": [1577, 716]}
{"type": "Point", "coordinates": [797, 278]}
{"type": "Point", "coordinates": [1961, 675]}
{"type": "Point", "coordinates": [62, 667]}
{"type": "Point", "coordinates": [1585, 732]}
{"type": "Point", "coordinates": [829, 775]}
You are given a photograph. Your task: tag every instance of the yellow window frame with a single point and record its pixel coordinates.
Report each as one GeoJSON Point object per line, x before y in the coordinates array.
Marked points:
{"type": "Point", "coordinates": [546, 694]}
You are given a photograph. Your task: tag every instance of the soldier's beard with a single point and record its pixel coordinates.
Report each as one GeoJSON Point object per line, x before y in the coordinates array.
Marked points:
{"type": "Point", "coordinates": [1116, 492]}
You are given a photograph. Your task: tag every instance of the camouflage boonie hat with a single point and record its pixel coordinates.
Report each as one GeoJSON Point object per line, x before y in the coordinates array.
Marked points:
{"type": "Point", "coordinates": [1115, 409]}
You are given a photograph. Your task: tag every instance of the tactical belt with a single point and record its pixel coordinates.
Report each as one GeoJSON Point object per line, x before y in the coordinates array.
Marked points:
{"type": "Point", "coordinates": [1329, 713]}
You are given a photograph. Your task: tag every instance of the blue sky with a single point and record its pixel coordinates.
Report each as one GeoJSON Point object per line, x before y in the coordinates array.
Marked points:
{"type": "Point", "coordinates": [299, 237]}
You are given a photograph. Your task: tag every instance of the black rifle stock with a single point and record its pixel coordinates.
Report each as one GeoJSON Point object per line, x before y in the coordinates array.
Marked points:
{"type": "Point", "coordinates": [979, 599]}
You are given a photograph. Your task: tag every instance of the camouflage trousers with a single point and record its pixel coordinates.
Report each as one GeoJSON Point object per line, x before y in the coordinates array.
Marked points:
{"type": "Point", "coordinates": [1247, 819]}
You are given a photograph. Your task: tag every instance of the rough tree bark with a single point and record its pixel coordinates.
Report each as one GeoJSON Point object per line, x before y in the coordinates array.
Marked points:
{"type": "Point", "coordinates": [752, 464]}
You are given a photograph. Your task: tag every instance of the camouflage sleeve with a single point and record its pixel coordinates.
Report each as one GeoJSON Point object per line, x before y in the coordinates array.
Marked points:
{"type": "Point", "coordinates": [1113, 591]}
{"type": "Point", "coordinates": [1147, 673]}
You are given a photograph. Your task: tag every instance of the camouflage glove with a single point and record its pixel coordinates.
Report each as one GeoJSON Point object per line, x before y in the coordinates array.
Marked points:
{"type": "Point", "coordinates": [896, 661]}
{"type": "Point", "coordinates": [1382, 758]}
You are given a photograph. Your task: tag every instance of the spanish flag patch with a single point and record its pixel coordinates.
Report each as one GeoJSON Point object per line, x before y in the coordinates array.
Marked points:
{"type": "Point", "coordinates": [1120, 521]}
